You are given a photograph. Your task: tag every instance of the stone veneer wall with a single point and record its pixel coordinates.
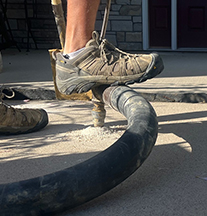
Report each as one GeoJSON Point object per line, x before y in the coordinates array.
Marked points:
{"type": "Point", "coordinates": [125, 24]}
{"type": "Point", "coordinates": [124, 27]}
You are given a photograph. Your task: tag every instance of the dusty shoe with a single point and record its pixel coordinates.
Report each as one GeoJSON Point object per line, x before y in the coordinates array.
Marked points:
{"type": "Point", "coordinates": [19, 121]}
{"type": "Point", "coordinates": [101, 63]}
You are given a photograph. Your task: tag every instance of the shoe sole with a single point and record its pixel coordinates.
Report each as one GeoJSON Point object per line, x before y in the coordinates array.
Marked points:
{"type": "Point", "coordinates": [83, 83]}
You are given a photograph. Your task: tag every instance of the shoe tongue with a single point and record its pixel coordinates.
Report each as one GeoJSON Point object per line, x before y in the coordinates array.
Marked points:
{"type": "Point", "coordinates": [94, 41]}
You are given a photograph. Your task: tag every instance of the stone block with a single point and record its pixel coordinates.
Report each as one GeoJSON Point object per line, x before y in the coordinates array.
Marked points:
{"type": "Point", "coordinates": [98, 25]}
{"type": "Point", "coordinates": [136, 2]}
{"type": "Point", "coordinates": [116, 13]}
{"type": "Point", "coordinates": [115, 7]}
{"type": "Point", "coordinates": [121, 25]}
{"type": "Point", "coordinates": [130, 46]}
{"type": "Point", "coordinates": [1, 63]}
{"type": "Point", "coordinates": [101, 7]}
{"type": "Point", "coordinates": [56, 44]}
{"type": "Point", "coordinates": [111, 39]}
{"type": "Point", "coordinates": [124, 26]}
{"type": "Point", "coordinates": [99, 15]}
{"type": "Point", "coordinates": [137, 19]}
{"type": "Point", "coordinates": [37, 23]}
{"type": "Point", "coordinates": [15, 14]}
{"type": "Point", "coordinates": [138, 27]}
{"type": "Point", "coordinates": [120, 36]}
{"type": "Point", "coordinates": [104, 1]}
{"type": "Point", "coordinates": [49, 22]}
{"type": "Point", "coordinates": [122, 2]}
{"type": "Point", "coordinates": [13, 24]}
{"type": "Point", "coordinates": [21, 24]}
{"type": "Point", "coordinates": [119, 17]}
{"type": "Point", "coordinates": [130, 10]}
{"type": "Point", "coordinates": [133, 37]}
{"type": "Point", "coordinates": [20, 34]}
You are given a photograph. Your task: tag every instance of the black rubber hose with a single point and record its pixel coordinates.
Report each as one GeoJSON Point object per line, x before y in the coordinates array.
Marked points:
{"type": "Point", "coordinates": [60, 191]}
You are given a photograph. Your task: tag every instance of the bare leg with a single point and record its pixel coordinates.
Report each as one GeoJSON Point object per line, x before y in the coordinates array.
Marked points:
{"type": "Point", "coordinates": [81, 17]}
{"type": "Point", "coordinates": [99, 63]}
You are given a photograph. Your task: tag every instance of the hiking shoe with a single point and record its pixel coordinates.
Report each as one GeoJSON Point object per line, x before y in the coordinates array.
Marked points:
{"type": "Point", "coordinates": [101, 63]}
{"type": "Point", "coordinates": [19, 121]}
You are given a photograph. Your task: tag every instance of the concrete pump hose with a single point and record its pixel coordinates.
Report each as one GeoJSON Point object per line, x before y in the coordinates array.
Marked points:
{"type": "Point", "coordinates": [63, 190]}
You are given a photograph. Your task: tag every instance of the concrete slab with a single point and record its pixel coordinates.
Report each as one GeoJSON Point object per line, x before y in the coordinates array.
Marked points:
{"type": "Point", "coordinates": [70, 132]}
{"type": "Point", "coordinates": [171, 181]}
{"type": "Point", "coordinates": [183, 73]}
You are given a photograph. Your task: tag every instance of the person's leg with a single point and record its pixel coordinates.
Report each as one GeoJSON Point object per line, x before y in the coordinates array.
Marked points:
{"type": "Point", "coordinates": [81, 17]}
{"type": "Point", "coordinates": [99, 63]}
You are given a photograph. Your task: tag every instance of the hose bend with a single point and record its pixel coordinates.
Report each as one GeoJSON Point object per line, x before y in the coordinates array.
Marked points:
{"type": "Point", "coordinates": [56, 192]}
{"type": "Point", "coordinates": [142, 121]}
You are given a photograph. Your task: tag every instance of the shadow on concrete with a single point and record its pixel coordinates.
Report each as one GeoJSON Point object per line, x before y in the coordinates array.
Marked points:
{"type": "Point", "coordinates": [165, 184]}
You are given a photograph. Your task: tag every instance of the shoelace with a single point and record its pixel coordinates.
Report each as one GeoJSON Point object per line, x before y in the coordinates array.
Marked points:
{"type": "Point", "coordinates": [104, 51]}
{"type": "Point", "coordinates": [104, 43]}
{"type": "Point", "coordinates": [3, 94]}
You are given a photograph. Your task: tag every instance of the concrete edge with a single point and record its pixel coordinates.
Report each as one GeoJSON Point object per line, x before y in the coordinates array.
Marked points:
{"type": "Point", "coordinates": [46, 94]}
